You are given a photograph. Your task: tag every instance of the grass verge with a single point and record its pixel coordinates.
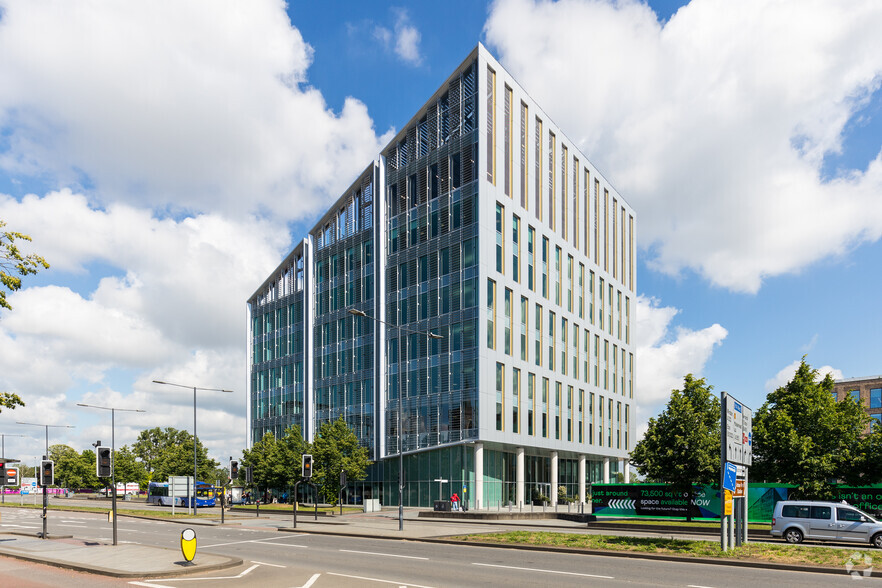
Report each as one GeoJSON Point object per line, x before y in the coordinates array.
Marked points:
{"type": "Point", "coordinates": [681, 523]}
{"type": "Point", "coordinates": [159, 514]}
{"type": "Point", "coordinates": [788, 554]}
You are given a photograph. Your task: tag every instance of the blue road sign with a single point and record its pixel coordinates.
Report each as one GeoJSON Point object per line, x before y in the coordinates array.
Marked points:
{"type": "Point", "coordinates": [729, 476]}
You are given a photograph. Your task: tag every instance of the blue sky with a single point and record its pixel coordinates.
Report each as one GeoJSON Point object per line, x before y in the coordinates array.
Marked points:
{"type": "Point", "coordinates": [165, 156]}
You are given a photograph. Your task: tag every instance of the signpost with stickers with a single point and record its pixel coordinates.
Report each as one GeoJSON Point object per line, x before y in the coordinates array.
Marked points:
{"type": "Point", "coordinates": [736, 456]}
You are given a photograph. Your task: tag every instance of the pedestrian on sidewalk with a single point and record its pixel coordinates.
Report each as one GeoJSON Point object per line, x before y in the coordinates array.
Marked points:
{"type": "Point", "coordinates": [454, 501]}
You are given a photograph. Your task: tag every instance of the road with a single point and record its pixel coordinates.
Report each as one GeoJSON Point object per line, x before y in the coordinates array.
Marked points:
{"type": "Point", "coordinates": [277, 558]}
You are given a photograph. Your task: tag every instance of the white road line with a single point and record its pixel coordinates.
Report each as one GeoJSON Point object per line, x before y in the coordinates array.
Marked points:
{"type": "Point", "coordinates": [698, 586]}
{"type": "Point", "coordinates": [211, 578]}
{"type": "Point", "coordinates": [77, 526]}
{"type": "Point", "coordinates": [311, 581]}
{"type": "Point", "coordinates": [377, 580]}
{"type": "Point", "coordinates": [543, 571]}
{"type": "Point", "coordinates": [282, 544]}
{"type": "Point", "coordinates": [383, 554]}
{"type": "Point", "coordinates": [148, 585]}
{"type": "Point", "coordinates": [254, 541]}
{"type": "Point", "coordinates": [263, 563]}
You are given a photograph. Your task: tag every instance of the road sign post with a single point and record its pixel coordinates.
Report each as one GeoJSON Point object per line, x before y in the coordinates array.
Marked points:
{"type": "Point", "coordinates": [736, 452]}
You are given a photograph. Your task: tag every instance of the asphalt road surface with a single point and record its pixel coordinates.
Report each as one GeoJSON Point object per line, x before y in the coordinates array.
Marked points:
{"type": "Point", "coordinates": [276, 558]}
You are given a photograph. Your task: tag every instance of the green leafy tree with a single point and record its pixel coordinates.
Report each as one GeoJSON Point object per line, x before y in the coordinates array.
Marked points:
{"type": "Point", "coordinates": [336, 449]}
{"type": "Point", "coordinates": [73, 470]}
{"type": "Point", "coordinates": [871, 459]}
{"type": "Point", "coordinates": [264, 458]}
{"type": "Point", "coordinates": [802, 436]}
{"type": "Point", "coordinates": [10, 401]}
{"type": "Point", "coordinates": [14, 264]}
{"type": "Point", "coordinates": [169, 452]}
{"type": "Point", "coordinates": [682, 445]}
{"type": "Point", "coordinates": [128, 468]}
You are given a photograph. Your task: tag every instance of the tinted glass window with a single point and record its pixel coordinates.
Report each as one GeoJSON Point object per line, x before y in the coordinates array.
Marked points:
{"type": "Point", "coordinates": [797, 512]}
{"type": "Point", "coordinates": [821, 512]}
{"type": "Point", "coordinates": [846, 514]}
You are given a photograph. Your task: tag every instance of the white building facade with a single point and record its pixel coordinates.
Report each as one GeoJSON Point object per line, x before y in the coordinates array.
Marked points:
{"type": "Point", "coordinates": [482, 224]}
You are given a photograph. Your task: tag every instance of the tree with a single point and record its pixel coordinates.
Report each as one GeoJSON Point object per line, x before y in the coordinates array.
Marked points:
{"type": "Point", "coordinates": [10, 401]}
{"type": "Point", "coordinates": [127, 468]}
{"type": "Point", "coordinates": [336, 449]}
{"type": "Point", "coordinates": [802, 436]}
{"type": "Point", "coordinates": [13, 264]}
{"type": "Point", "coordinates": [682, 445]}
{"type": "Point", "coordinates": [73, 470]}
{"type": "Point", "coordinates": [169, 452]}
{"type": "Point", "coordinates": [264, 460]}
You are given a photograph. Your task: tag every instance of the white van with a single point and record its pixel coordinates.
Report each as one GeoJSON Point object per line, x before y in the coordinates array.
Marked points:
{"type": "Point", "coordinates": [796, 520]}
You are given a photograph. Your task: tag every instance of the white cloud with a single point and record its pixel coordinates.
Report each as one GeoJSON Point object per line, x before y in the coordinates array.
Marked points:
{"type": "Point", "coordinates": [714, 125]}
{"type": "Point", "coordinates": [404, 40]}
{"type": "Point", "coordinates": [787, 372]}
{"type": "Point", "coordinates": [176, 312]}
{"type": "Point", "coordinates": [665, 354]}
{"type": "Point", "coordinates": [187, 106]}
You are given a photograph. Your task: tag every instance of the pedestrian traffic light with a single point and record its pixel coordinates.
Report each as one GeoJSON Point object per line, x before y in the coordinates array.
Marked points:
{"type": "Point", "coordinates": [10, 476]}
{"type": "Point", "coordinates": [234, 469]}
{"type": "Point", "coordinates": [307, 465]}
{"type": "Point", "coordinates": [104, 463]}
{"type": "Point", "coordinates": [248, 475]}
{"type": "Point", "coordinates": [47, 472]}
{"type": "Point", "coordinates": [342, 478]}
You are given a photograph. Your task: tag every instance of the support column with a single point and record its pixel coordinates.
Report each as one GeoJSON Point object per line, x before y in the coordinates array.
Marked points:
{"type": "Point", "coordinates": [627, 472]}
{"type": "Point", "coordinates": [582, 479]}
{"type": "Point", "coordinates": [606, 470]}
{"type": "Point", "coordinates": [479, 475]}
{"type": "Point", "coordinates": [553, 496]}
{"type": "Point", "coordinates": [519, 478]}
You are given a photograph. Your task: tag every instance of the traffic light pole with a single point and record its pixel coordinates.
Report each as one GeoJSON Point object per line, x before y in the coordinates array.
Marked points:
{"type": "Point", "coordinates": [45, 496]}
{"type": "Point", "coordinates": [113, 468]}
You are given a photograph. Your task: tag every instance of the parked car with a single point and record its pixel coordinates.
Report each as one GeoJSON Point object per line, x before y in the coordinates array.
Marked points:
{"type": "Point", "coordinates": [795, 520]}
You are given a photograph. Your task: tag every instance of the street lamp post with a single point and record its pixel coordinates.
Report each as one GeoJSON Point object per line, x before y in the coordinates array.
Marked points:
{"type": "Point", "coordinates": [400, 329]}
{"type": "Point", "coordinates": [45, 493]}
{"type": "Point", "coordinates": [112, 453]}
{"type": "Point", "coordinates": [194, 388]}
{"type": "Point", "coordinates": [3, 437]}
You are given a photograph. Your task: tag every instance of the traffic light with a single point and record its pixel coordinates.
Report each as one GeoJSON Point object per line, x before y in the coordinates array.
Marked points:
{"type": "Point", "coordinates": [104, 463]}
{"type": "Point", "coordinates": [234, 469]}
{"type": "Point", "coordinates": [47, 472]}
{"type": "Point", "coordinates": [10, 476]}
{"type": "Point", "coordinates": [307, 465]}
{"type": "Point", "coordinates": [342, 478]}
{"type": "Point", "coordinates": [249, 479]}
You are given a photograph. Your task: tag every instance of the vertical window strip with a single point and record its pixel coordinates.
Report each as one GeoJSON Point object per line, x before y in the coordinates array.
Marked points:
{"type": "Point", "coordinates": [552, 148]}
{"type": "Point", "coordinates": [516, 249]}
{"type": "Point", "coordinates": [500, 238]}
{"type": "Point", "coordinates": [507, 141]}
{"type": "Point", "coordinates": [507, 325]}
{"type": "Point", "coordinates": [564, 222]}
{"type": "Point", "coordinates": [575, 202]}
{"type": "Point", "coordinates": [596, 221]}
{"type": "Point", "coordinates": [525, 304]}
{"type": "Point", "coordinates": [537, 173]}
{"type": "Point", "coordinates": [491, 314]}
{"type": "Point", "coordinates": [531, 403]}
{"type": "Point", "coordinates": [525, 117]}
{"type": "Point", "coordinates": [615, 256]}
{"type": "Point", "coordinates": [515, 400]}
{"type": "Point", "coordinates": [587, 213]}
{"type": "Point", "coordinates": [537, 334]}
{"type": "Point", "coordinates": [631, 260]}
{"type": "Point", "coordinates": [605, 230]}
{"type": "Point", "coordinates": [500, 396]}
{"type": "Point", "coordinates": [491, 126]}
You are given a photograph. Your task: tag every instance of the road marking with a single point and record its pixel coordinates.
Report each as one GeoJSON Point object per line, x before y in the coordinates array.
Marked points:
{"type": "Point", "coordinates": [197, 579]}
{"type": "Point", "coordinates": [149, 585]}
{"type": "Point", "coordinates": [698, 586]}
{"type": "Point", "coordinates": [263, 563]}
{"type": "Point", "coordinates": [311, 581]}
{"type": "Point", "coordinates": [282, 544]}
{"type": "Point", "coordinates": [543, 571]}
{"type": "Point", "coordinates": [77, 526]}
{"type": "Point", "coordinates": [256, 541]}
{"type": "Point", "coordinates": [377, 580]}
{"type": "Point", "coordinates": [383, 554]}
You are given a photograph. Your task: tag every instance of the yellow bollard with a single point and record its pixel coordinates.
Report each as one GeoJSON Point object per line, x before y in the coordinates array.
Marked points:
{"type": "Point", "coordinates": [188, 544]}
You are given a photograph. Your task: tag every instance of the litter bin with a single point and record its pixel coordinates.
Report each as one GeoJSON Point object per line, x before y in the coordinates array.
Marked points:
{"type": "Point", "coordinates": [442, 506]}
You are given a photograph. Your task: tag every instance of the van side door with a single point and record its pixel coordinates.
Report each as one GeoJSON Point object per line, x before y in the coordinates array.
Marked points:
{"type": "Point", "coordinates": [852, 525]}
{"type": "Point", "coordinates": [821, 523]}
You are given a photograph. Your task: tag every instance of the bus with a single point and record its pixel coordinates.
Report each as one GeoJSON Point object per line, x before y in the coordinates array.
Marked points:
{"type": "Point", "coordinates": [160, 493]}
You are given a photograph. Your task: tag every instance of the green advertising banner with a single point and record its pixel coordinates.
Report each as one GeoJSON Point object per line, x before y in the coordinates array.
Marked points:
{"type": "Point", "coordinates": [659, 501]}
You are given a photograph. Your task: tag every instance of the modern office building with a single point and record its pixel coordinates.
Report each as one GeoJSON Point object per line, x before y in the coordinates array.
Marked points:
{"type": "Point", "coordinates": [866, 391]}
{"type": "Point", "coordinates": [478, 276]}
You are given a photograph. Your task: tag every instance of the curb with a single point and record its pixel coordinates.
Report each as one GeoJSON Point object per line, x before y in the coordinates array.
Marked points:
{"type": "Point", "coordinates": [600, 552]}
{"type": "Point", "coordinates": [230, 563]}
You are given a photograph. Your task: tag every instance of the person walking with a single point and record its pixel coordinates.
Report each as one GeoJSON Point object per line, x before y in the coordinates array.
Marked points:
{"type": "Point", "coordinates": [454, 501]}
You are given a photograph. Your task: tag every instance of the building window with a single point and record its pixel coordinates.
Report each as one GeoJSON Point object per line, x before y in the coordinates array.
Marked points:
{"type": "Point", "coordinates": [580, 289]}
{"type": "Point", "coordinates": [591, 419]}
{"type": "Point", "coordinates": [537, 334]}
{"type": "Point", "coordinates": [507, 337]}
{"type": "Point", "coordinates": [569, 413]}
{"type": "Point", "coordinates": [515, 400]}
{"type": "Point", "coordinates": [876, 398]}
{"type": "Point", "coordinates": [500, 238]}
{"type": "Point", "coordinates": [551, 176]}
{"type": "Point", "coordinates": [569, 283]}
{"type": "Point", "coordinates": [531, 386]}
{"type": "Point", "coordinates": [491, 126]}
{"type": "Point", "coordinates": [537, 163]}
{"type": "Point", "coordinates": [516, 249]}
{"type": "Point", "coordinates": [591, 297]}
{"type": "Point", "coordinates": [525, 116]}
{"type": "Point", "coordinates": [580, 416]}
{"type": "Point", "coordinates": [552, 342]}
{"type": "Point", "coordinates": [557, 275]}
{"type": "Point", "coordinates": [563, 192]}
{"type": "Point", "coordinates": [564, 329]}
{"type": "Point", "coordinates": [545, 407]}
{"type": "Point", "coordinates": [507, 142]}
{"type": "Point", "coordinates": [575, 343]}
{"type": "Point", "coordinates": [500, 395]}
{"type": "Point", "coordinates": [876, 421]}
{"type": "Point", "coordinates": [855, 395]}
{"type": "Point", "coordinates": [627, 320]}
{"type": "Point", "coordinates": [524, 344]}
{"type": "Point", "coordinates": [557, 395]}
{"type": "Point", "coordinates": [545, 267]}
{"type": "Point", "coordinates": [609, 308]}
{"type": "Point", "coordinates": [491, 314]}
{"type": "Point", "coordinates": [531, 260]}
{"type": "Point", "coordinates": [619, 315]}
{"type": "Point", "coordinates": [600, 312]}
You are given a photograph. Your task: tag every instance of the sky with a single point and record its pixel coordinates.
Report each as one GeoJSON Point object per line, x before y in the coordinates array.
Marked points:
{"type": "Point", "coordinates": [165, 156]}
